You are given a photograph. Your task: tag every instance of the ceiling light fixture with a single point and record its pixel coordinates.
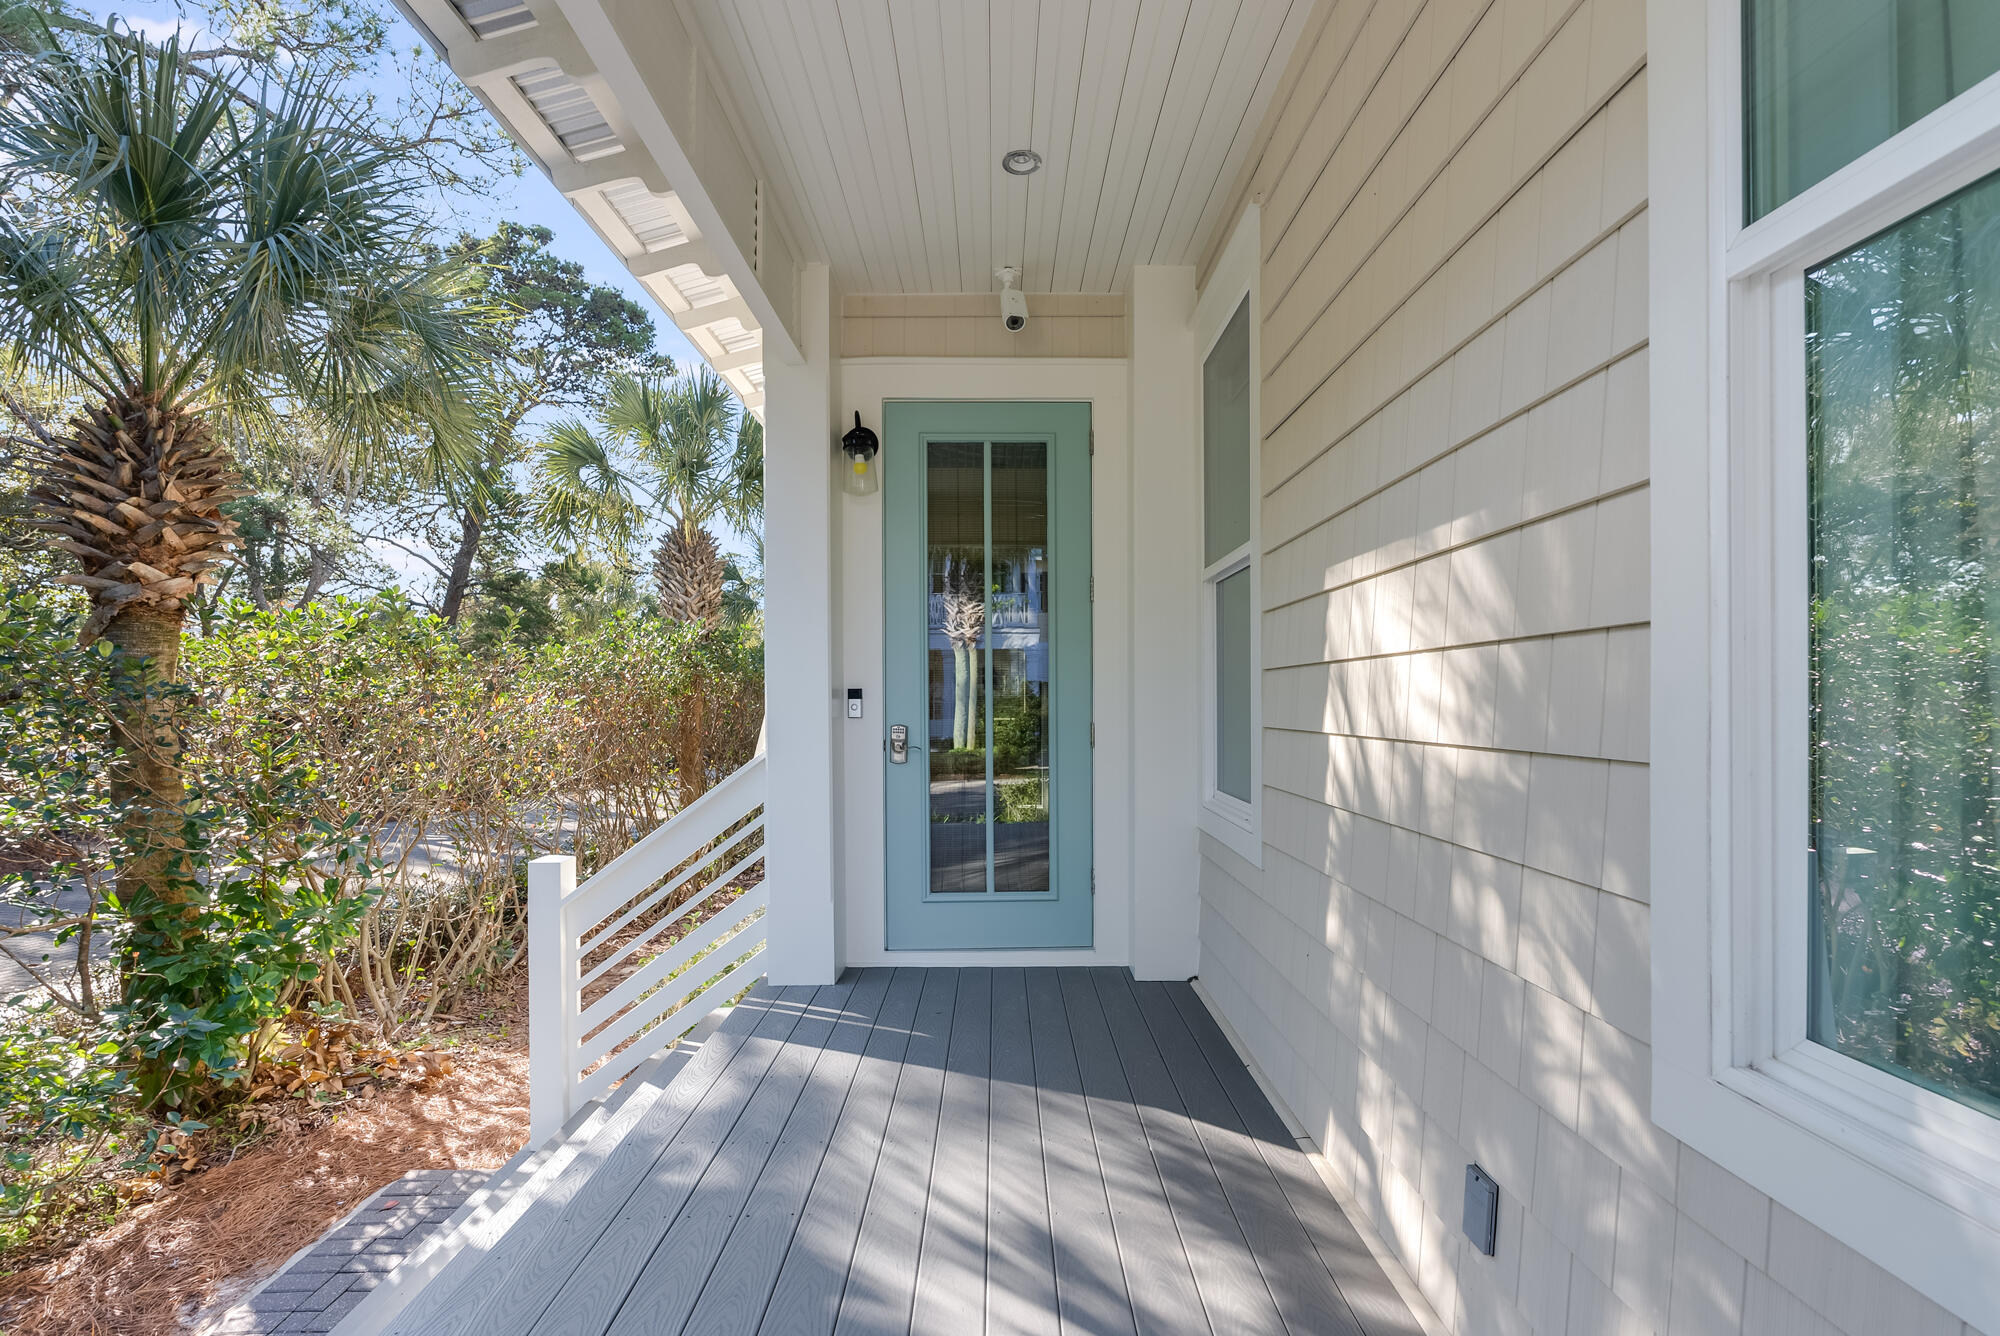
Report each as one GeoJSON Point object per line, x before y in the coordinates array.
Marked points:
{"type": "Point", "coordinates": [1020, 162]}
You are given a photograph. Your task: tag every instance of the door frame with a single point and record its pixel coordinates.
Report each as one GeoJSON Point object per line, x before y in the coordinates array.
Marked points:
{"type": "Point", "coordinates": [864, 384]}
{"type": "Point", "coordinates": [916, 917]}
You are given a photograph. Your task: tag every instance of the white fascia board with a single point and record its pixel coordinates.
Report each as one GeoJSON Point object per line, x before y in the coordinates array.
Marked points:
{"type": "Point", "coordinates": [618, 67]}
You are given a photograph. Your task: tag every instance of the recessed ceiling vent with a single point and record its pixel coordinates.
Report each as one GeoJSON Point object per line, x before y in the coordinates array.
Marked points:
{"type": "Point", "coordinates": [646, 214]}
{"type": "Point", "coordinates": [569, 112]}
{"type": "Point", "coordinates": [494, 18]}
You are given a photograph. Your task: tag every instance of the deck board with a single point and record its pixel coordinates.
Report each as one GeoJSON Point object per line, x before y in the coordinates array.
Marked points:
{"type": "Point", "coordinates": [882, 1279]}
{"type": "Point", "coordinates": [1021, 1264]}
{"type": "Point", "coordinates": [666, 1290]}
{"type": "Point", "coordinates": [1376, 1306]}
{"type": "Point", "coordinates": [1150, 1246]}
{"type": "Point", "coordinates": [1090, 1282]}
{"type": "Point", "coordinates": [805, 1297]}
{"type": "Point", "coordinates": [732, 1301]}
{"type": "Point", "coordinates": [596, 1288]}
{"type": "Point", "coordinates": [1306, 1296]}
{"type": "Point", "coordinates": [514, 1293]}
{"type": "Point", "coordinates": [1013, 1152]}
{"type": "Point", "coordinates": [951, 1265]}
{"type": "Point", "coordinates": [1233, 1291]}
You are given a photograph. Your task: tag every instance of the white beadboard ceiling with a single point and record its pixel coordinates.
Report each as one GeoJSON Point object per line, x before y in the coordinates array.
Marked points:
{"type": "Point", "coordinates": [886, 120]}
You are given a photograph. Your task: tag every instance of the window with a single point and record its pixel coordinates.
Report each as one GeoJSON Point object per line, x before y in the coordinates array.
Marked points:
{"type": "Point", "coordinates": [1225, 323]}
{"type": "Point", "coordinates": [1826, 602]}
{"type": "Point", "coordinates": [1903, 485]}
{"type": "Point", "coordinates": [1827, 80]}
{"type": "Point", "coordinates": [1225, 517]}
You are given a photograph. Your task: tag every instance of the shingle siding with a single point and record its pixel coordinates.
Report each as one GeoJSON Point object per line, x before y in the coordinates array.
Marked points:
{"type": "Point", "coordinates": [1444, 955]}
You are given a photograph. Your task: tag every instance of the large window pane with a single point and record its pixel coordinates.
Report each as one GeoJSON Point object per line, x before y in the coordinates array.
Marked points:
{"type": "Point", "coordinates": [1018, 724]}
{"type": "Point", "coordinates": [1904, 474]}
{"type": "Point", "coordinates": [955, 536]}
{"type": "Point", "coordinates": [1232, 685]}
{"type": "Point", "coordinates": [1827, 80]}
{"type": "Point", "coordinates": [1225, 440]}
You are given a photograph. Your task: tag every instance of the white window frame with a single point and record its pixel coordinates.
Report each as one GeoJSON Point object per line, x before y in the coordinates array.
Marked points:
{"type": "Point", "coordinates": [1906, 1177]}
{"type": "Point", "coordinates": [1236, 824]}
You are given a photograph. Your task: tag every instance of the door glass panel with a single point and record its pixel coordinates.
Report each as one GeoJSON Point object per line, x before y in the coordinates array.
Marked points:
{"type": "Point", "coordinates": [1903, 343]}
{"type": "Point", "coordinates": [1225, 440]}
{"type": "Point", "coordinates": [955, 548]}
{"type": "Point", "coordinates": [1827, 80]}
{"type": "Point", "coordinates": [1019, 618]}
{"type": "Point", "coordinates": [1232, 685]}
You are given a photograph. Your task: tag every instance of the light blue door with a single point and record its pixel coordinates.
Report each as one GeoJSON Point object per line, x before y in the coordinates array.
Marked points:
{"type": "Point", "coordinates": [986, 553]}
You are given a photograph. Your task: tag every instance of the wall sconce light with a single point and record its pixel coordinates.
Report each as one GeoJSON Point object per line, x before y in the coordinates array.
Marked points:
{"type": "Point", "coordinates": [860, 447]}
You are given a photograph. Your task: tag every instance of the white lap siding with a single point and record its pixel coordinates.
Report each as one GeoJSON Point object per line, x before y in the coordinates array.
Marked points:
{"type": "Point", "coordinates": [1444, 956]}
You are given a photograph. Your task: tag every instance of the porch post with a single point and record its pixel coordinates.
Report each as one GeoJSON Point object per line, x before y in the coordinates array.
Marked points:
{"type": "Point", "coordinates": [1166, 627]}
{"type": "Point", "coordinates": [552, 997]}
{"type": "Point", "coordinates": [800, 556]}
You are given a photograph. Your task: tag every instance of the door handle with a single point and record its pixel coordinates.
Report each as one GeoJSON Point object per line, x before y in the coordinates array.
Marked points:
{"type": "Point", "coordinates": [899, 744]}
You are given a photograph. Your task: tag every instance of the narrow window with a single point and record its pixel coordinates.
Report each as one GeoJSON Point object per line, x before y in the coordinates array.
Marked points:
{"type": "Point", "coordinates": [1903, 426]}
{"type": "Point", "coordinates": [1226, 555]}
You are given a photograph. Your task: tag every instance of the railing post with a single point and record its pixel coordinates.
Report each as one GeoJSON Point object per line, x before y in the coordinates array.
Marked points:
{"type": "Point", "coordinates": [552, 997]}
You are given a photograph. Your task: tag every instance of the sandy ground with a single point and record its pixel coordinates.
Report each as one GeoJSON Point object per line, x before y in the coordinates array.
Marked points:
{"type": "Point", "coordinates": [170, 1265]}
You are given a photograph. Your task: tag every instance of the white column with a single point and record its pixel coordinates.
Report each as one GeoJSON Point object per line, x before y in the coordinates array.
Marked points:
{"type": "Point", "coordinates": [552, 997]}
{"type": "Point", "coordinates": [800, 567]}
{"type": "Point", "coordinates": [1166, 639]}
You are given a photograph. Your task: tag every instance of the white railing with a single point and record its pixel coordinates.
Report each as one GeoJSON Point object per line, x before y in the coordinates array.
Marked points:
{"type": "Point", "coordinates": [617, 970]}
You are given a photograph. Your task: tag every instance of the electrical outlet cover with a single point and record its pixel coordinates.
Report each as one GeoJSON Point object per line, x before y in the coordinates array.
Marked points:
{"type": "Point", "coordinates": [1482, 1209]}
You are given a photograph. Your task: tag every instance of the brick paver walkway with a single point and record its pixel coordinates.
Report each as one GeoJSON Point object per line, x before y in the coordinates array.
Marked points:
{"type": "Point", "coordinates": [321, 1283]}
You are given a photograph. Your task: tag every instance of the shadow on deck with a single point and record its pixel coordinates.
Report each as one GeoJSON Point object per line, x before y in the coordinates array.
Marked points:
{"type": "Point", "coordinates": [937, 1150]}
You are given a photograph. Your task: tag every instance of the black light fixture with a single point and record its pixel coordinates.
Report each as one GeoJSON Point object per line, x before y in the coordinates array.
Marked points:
{"type": "Point", "coordinates": [860, 447]}
{"type": "Point", "coordinates": [1020, 162]}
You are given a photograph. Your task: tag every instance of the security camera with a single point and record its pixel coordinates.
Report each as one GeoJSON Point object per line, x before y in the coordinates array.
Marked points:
{"type": "Point", "coordinates": [1013, 301]}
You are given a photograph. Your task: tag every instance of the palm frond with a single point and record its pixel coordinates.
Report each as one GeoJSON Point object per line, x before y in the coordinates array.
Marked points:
{"type": "Point", "coordinates": [252, 245]}
{"type": "Point", "coordinates": [582, 490]}
{"type": "Point", "coordinates": [686, 427]}
{"type": "Point", "coordinates": [744, 500]}
{"type": "Point", "coordinates": [48, 309]}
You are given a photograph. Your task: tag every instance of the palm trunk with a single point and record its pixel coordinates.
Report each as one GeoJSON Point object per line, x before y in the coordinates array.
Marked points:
{"type": "Point", "coordinates": [147, 783]}
{"type": "Point", "coordinates": [961, 695]}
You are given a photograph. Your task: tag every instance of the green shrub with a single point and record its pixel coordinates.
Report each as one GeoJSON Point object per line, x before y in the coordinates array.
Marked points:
{"type": "Point", "coordinates": [1022, 800]}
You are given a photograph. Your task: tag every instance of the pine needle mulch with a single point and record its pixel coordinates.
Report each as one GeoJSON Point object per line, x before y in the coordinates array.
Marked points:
{"type": "Point", "coordinates": [168, 1266]}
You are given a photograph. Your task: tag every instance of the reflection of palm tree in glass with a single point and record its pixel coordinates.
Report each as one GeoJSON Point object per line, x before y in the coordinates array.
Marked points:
{"type": "Point", "coordinates": [964, 624]}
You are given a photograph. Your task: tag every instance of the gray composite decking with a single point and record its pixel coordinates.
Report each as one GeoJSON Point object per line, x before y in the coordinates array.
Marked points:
{"type": "Point", "coordinates": [937, 1150]}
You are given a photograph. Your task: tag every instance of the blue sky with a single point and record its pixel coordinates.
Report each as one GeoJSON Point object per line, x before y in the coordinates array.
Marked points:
{"type": "Point", "coordinates": [526, 198]}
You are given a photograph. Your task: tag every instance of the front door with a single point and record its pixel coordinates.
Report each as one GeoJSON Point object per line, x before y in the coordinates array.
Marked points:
{"type": "Point", "coordinates": [986, 552]}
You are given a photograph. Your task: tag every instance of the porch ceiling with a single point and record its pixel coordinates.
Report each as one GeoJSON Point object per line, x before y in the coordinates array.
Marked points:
{"type": "Point", "coordinates": [886, 120]}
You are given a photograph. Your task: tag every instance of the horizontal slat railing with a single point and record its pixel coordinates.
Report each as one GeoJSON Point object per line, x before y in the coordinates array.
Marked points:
{"type": "Point", "coordinates": [645, 934]}
{"type": "Point", "coordinates": [622, 966]}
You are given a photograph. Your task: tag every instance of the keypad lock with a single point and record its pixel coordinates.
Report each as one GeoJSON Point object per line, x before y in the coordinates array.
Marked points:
{"type": "Point", "coordinates": [899, 744]}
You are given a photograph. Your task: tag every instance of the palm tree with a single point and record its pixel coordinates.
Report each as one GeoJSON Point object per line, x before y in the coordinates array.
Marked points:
{"type": "Point", "coordinates": [199, 260]}
{"type": "Point", "coordinates": [678, 450]}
